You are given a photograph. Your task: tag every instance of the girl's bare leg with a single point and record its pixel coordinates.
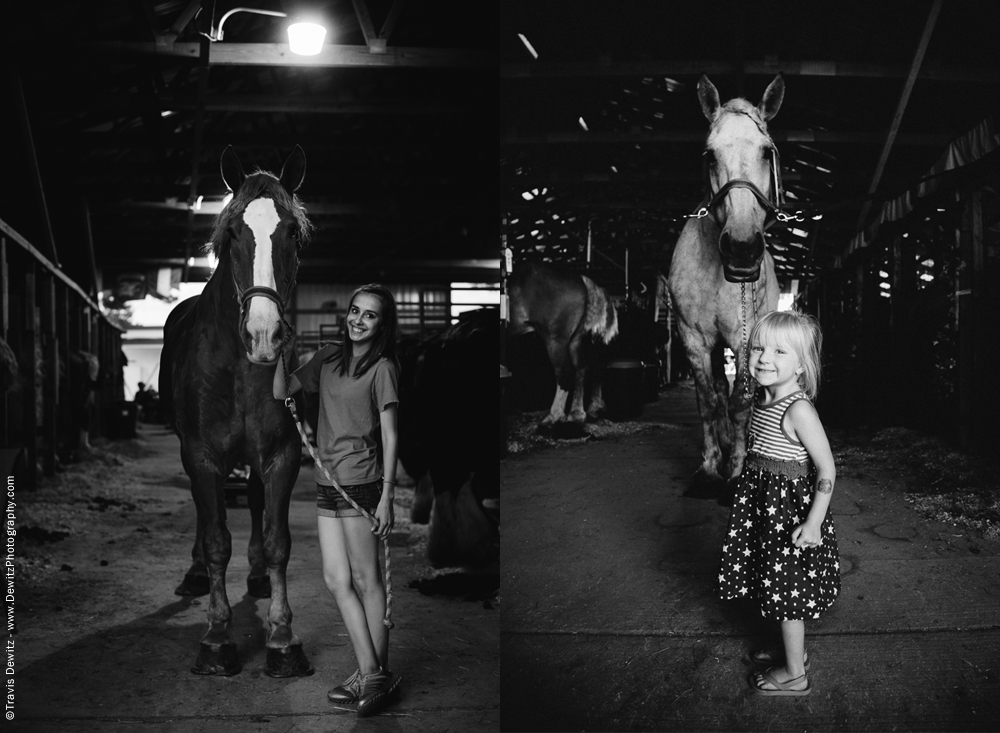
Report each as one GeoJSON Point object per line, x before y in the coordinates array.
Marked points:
{"type": "Point", "coordinates": [362, 548]}
{"type": "Point", "coordinates": [793, 636]}
{"type": "Point", "coordinates": [338, 576]}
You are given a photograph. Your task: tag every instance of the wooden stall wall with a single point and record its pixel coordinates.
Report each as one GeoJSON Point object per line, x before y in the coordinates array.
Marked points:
{"type": "Point", "coordinates": [909, 323]}
{"type": "Point", "coordinates": [68, 356]}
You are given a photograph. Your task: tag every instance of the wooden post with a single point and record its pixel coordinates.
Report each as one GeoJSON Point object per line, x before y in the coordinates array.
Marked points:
{"type": "Point", "coordinates": [65, 393]}
{"type": "Point", "coordinates": [904, 385]}
{"type": "Point", "coordinates": [4, 324]}
{"type": "Point", "coordinates": [29, 378]}
{"type": "Point", "coordinates": [50, 383]}
{"type": "Point", "coordinates": [971, 369]}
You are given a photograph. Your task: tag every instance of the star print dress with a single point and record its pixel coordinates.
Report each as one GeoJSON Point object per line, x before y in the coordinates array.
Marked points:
{"type": "Point", "coordinates": [773, 496]}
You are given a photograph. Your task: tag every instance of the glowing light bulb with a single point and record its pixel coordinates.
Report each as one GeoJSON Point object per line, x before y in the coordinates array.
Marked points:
{"type": "Point", "coordinates": [306, 39]}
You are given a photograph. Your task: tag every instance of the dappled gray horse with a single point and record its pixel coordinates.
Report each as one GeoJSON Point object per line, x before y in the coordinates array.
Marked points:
{"type": "Point", "coordinates": [721, 275]}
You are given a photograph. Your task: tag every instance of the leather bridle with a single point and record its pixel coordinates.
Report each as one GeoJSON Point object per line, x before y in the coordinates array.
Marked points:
{"type": "Point", "coordinates": [243, 298]}
{"type": "Point", "coordinates": [772, 206]}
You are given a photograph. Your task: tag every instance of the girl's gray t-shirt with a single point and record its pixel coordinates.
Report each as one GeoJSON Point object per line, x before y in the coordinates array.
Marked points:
{"type": "Point", "coordinates": [349, 431]}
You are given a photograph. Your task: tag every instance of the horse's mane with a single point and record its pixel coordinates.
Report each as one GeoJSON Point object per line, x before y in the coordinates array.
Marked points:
{"type": "Point", "coordinates": [257, 184]}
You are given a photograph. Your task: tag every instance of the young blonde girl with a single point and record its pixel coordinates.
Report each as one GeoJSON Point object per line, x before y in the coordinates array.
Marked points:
{"type": "Point", "coordinates": [780, 548]}
{"type": "Point", "coordinates": [357, 444]}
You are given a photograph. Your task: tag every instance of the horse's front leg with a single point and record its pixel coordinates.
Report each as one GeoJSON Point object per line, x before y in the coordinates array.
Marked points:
{"type": "Point", "coordinates": [285, 657]}
{"type": "Point", "coordinates": [739, 418]}
{"type": "Point", "coordinates": [195, 581]}
{"type": "Point", "coordinates": [217, 654]}
{"type": "Point", "coordinates": [258, 581]}
{"type": "Point", "coordinates": [723, 426]}
{"type": "Point", "coordinates": [710, 408]}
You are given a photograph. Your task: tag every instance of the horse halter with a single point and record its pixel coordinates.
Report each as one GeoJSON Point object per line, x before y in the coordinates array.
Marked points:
{"type": "Point", "coordinates": [244, 296]}
{"type": "Point", "coordinates": [772, 207]}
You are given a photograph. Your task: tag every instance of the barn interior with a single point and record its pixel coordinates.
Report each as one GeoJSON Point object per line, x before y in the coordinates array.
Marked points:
{"type": "Point", "coordinates": [116, 119]}
{"type": "Point", "coordinates": [888, 159]}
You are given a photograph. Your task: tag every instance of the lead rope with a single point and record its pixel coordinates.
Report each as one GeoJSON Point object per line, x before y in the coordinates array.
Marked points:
{"type": "Point", "coordinates": [290, 404]}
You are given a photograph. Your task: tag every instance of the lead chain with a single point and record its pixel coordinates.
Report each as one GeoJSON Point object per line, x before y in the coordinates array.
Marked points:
{"type": "Point", "coordinates": [745, 348]}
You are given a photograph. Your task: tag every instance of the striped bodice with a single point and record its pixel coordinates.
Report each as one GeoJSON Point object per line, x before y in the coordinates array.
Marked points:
{"type": "Point", "coordinates": [768, 437]}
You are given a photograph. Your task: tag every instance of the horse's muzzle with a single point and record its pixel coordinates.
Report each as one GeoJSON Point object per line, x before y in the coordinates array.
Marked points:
{"type": "Point", "coordinates": [741, 260]}
{"type": "Point", "coordinates": [741, 275]}
{"type": "Point", "coordinates": [261, 362]}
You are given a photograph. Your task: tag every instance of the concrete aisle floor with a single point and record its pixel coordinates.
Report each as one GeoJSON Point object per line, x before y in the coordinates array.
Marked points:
{"type": "Point", "coordinates": [610, 619]}
{"type": "Point", "coordinates": [111, 650]}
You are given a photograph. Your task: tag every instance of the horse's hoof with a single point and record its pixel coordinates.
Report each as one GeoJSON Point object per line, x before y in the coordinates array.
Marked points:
{"type": "Point", "coordinates": [217, 659]}
{"type": "Point", "coordinates": [727, 493]}
{"type": "Point", "coordinates": [569, 431]}
{"type": "Point", "coordinates": [288, 662]}
{"type": "Point", "coordinates": [259, 587]}
{"type": "Point", "coordinates": [193, 585]}
{"type": "Point", "coordinates": [705, 486]}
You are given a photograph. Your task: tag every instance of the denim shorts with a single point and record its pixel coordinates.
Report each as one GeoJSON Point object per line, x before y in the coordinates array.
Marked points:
{"type": "Point", "coordinates": [329, 502]}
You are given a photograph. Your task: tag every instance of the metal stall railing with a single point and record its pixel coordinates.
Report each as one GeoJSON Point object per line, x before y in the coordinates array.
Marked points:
{"type": "Point", "coordinates": [68, 356]}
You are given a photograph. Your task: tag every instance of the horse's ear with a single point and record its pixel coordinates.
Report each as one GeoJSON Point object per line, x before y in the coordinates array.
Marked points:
{"type": "Point", "coordinates": [293, 172]}
{"type": "Point", "coordinates": [232, 171]}
{"type": "Point", "coordinates": [708, 95]}
{"type": "Point", "coordinates": [773, 95]}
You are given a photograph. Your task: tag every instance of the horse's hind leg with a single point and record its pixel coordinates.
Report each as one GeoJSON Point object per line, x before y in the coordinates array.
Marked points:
{"type": "Point", "coordinates": [285, 657]}
{"type": "Point", "coordinates": [258, 581]}
{"type": "Point", "coordinates": [576, 355]}
{"type": "Point", "coordinates": [558, 352]}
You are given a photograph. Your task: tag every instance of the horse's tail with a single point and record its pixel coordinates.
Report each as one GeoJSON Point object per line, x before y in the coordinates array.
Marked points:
{"type": "Point", "coordinates": [601, 318]}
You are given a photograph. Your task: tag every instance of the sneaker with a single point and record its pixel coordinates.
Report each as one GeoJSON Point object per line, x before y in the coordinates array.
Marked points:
{"type": "Point", "coordinates": [347, 691]}
{"type": "Point", "coordinates": [376, 690]}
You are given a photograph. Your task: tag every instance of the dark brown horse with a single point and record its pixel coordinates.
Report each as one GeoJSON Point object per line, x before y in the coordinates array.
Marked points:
{"type": "Point", "coordinates": [570, 312]}
{"type": "Point", "coordinates": [445, 431]}
{"type": "Point", "coordinates": [721, 275]}
{"type": "Point", "coordinates": [220, 350]}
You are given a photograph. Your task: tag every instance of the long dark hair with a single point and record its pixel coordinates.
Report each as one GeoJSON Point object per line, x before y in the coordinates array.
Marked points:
{"type": "Point", "coordinates": [385, 340]}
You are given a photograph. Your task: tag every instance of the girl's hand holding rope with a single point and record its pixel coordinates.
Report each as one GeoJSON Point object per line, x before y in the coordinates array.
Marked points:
{"type": "Point", "coordinates": [384, 518]}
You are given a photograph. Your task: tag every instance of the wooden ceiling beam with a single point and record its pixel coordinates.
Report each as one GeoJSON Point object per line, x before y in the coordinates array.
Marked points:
{"type": "Point", "coordinates": [312, 142]}
{"type": "Point", "coordinates": [698, 136]}
{"type": "Point", "coordinates": [937, 72]}
{"type": "Point", "coordinates": [918, 58]}
{"type": "Point", "coordinates": [365, 21]}
{"type": "Point", "coordinates": [332, 56]}
{"type": "Point", "coordinates": [312, 105]}
{"type": "Point", "coordinates": [391, 19]}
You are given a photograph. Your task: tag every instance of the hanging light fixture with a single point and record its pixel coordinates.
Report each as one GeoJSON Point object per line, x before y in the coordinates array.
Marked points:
{"type": "Point", "coordinates": [304, 38]}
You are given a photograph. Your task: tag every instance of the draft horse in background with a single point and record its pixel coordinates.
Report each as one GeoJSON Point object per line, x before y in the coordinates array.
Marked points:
{"type": "Point", "coordinates": [220, 350]}
{"type": "Point", "coordinates": [571, 313]}
{"type": "Point", "coordinates": [722, 276]}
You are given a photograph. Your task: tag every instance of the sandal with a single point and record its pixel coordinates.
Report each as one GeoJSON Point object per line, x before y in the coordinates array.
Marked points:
{"type": "Point", "coordinates": [766, 658]}
{"type": "Point", "coordinates": [782, 689]}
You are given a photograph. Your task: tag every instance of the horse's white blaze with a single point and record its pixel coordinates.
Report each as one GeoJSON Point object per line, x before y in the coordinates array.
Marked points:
{"type": "Point", "coordinates": [263, 317]}
{"type": "Point", "coordinates": [737, 146]}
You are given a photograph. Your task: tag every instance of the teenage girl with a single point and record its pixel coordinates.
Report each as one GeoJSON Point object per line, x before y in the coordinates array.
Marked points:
{"type": "Point", "coordinates": [357, 444]}
{"type": "Point", "coordinates": [781, 549]}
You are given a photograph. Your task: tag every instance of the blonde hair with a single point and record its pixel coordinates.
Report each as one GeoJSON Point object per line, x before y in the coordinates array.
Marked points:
{"type": "Point", "coordinates": [801, 332]}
